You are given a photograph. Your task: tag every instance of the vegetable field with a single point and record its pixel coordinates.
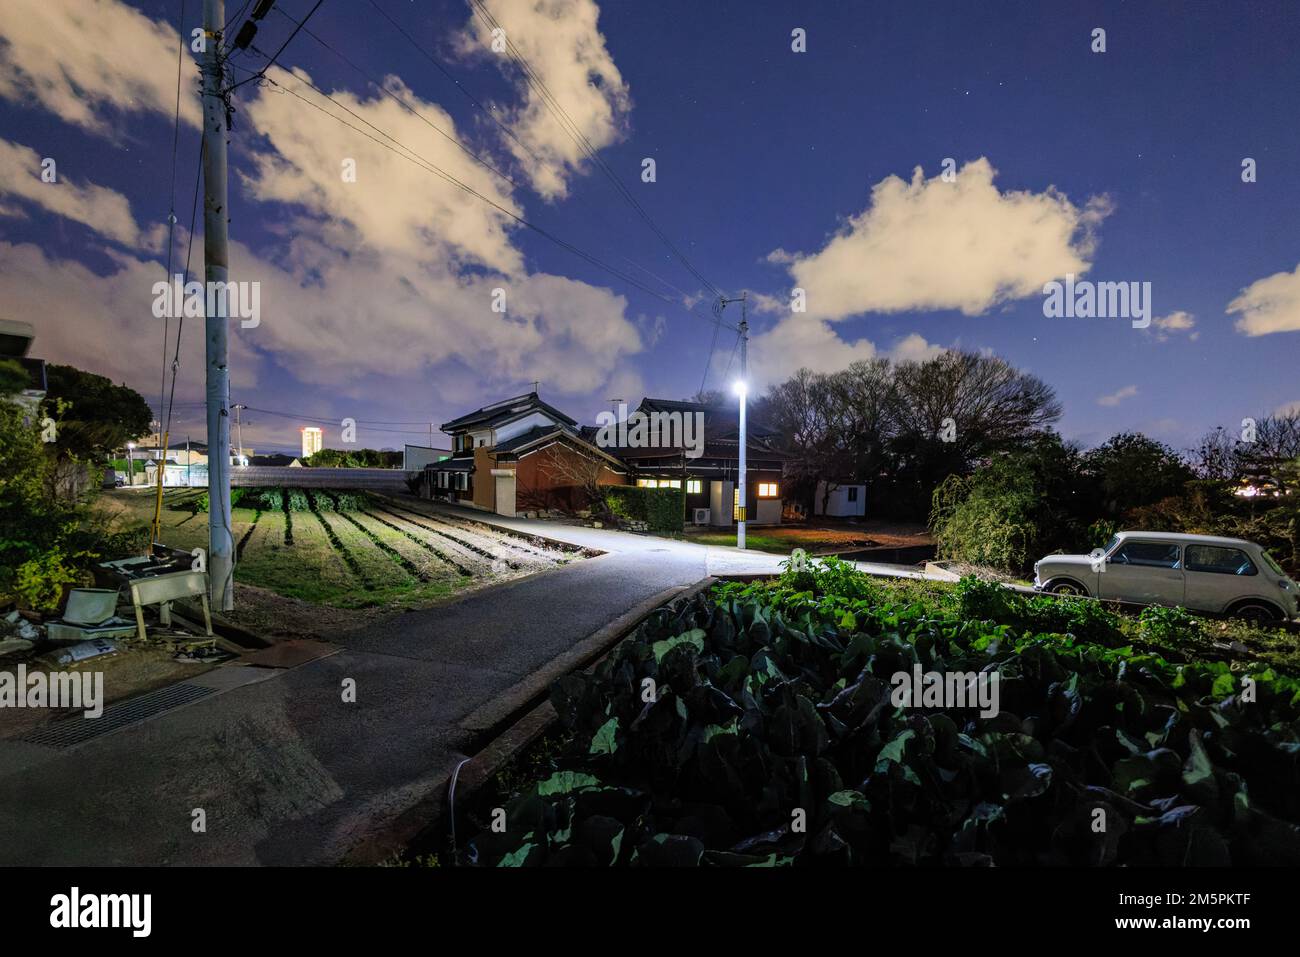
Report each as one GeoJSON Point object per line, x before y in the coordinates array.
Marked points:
{"type": "Point", "coordinates": [754, 726]}
{"type": "Point", "coordinates": [348, 549]}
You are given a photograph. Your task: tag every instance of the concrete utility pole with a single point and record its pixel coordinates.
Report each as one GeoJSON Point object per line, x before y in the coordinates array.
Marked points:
{"type": "Point", "coordinates": [239, 429]}
{"type": "Point", "coordinates": [742, 390]}
{"type": "Point", "coordinates": [216, 269]}
{"type": "Point", "coordinates": [744, 401]}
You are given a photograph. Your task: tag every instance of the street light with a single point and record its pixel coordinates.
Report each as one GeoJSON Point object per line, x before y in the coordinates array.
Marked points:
{"type": "Point", "coordinates": [742, 389]}
{"type": "Point", "coordinates": [130, 471]}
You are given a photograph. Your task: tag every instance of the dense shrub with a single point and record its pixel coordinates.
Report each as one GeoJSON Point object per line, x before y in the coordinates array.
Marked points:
{"type": "Point", "coordinates": [662, 509]}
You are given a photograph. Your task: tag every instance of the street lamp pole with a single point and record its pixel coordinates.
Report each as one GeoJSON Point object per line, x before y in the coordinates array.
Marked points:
{"type": "Point", "coordinates": [744, 401]}
{"type": "Point", "coordinates": [742, 390]}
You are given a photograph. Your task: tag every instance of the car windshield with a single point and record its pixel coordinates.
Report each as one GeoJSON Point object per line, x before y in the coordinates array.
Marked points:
{"type": "Point", "coordinates": [1272, 562]}
{"type": "Point", "coordinates": [1110, 545]}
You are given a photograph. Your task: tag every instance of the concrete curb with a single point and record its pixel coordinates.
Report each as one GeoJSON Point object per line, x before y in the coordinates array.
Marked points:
{"type": "Point", "coordinates": [386, 841]}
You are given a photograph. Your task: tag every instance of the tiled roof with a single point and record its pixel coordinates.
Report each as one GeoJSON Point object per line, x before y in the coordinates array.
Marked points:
{"type": "Point", "coordinates": [505, 411]}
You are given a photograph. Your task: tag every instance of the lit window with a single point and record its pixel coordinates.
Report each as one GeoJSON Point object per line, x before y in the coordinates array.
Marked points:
{"type": "Point", "coordinates": [647, 483]}
{"type": "Point", "coordinates": [767, 490]}
{"type": "Point", "coordinates": [694, 486]}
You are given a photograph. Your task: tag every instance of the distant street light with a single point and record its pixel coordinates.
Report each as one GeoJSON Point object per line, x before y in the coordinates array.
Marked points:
{"type": "Point", "coordinates": [130, 470]}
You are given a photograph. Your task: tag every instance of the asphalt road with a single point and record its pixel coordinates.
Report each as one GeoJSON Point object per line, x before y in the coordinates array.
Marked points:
{"type": "Point", "coordinates": [283, 770]}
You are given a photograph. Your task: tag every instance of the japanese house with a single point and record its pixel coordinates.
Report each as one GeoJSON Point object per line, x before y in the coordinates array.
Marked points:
{"type": "Point", "coordinates": [523, 454]}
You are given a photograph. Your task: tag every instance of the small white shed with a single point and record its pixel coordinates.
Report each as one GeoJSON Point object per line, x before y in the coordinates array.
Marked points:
{"type": "Point", "coordinates": [845, 501]}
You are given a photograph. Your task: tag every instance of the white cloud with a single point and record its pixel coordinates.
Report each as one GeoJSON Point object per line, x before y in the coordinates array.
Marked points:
{"type": "Point", "coordinates": [798, 342]}
{"type": "Point", "coordinates": [930, 244]}
{"type": "Point", "coordinates": [104, 322]}
{"type": "Point", "coordinates": [105, 211]}
{"type": "Point", "coordinates": [561, 42]}
{"type": "Point", "coordinates": [395, 204]}
{"type": "Point", "coordinates": [1271, 304]}
{"type": "Point", "coordinates": [78, 57]}
{"type": "Point", "coordinates": [363, 282]}
{"type": "Point", "coordinates": [1115, 398]}
{"type": "Point", "coordinates": [1181, 321]}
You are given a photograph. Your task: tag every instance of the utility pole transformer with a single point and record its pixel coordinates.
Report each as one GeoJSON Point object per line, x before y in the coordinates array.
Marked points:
{"type": "Point", "coordinates": [215, 270]}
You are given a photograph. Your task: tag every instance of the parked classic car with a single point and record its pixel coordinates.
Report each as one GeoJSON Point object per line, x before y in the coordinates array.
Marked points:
{"type": "Point", "coordinates": [1203, 573]}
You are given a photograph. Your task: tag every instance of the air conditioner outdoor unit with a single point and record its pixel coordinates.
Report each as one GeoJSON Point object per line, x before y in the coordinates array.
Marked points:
{"type": "Point", "coordinates": [701, 516]}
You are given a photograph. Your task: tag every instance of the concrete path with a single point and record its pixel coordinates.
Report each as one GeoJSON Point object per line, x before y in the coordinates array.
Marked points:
{"type": "Point", "coordinates": [284, 771]}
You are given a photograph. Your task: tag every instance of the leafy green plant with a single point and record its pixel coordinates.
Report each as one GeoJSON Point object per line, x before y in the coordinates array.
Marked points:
{"type": "Point", "coordinates": [723, 720]}
{"type": "Point", "coordinates": [40, 581]}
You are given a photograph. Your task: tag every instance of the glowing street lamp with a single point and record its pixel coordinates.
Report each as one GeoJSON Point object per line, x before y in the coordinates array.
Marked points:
{"type": "Point", "coordinates": [130, 470]}
{"type": "Point", "coordinates": [741, 388]}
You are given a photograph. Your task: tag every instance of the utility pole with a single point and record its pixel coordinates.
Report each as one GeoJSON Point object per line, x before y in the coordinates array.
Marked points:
{"type": "Point", "coordinates": [239, 429]}
{"type": "Point", "coordinates": [742, 390]}
{"type": "Point", "coordinates": [744, 401]}
{"type": "Point", "coordinates": [216, 270]}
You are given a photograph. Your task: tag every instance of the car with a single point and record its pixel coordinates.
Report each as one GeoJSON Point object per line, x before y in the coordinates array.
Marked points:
{"type": "Point", "coordinates": [1204, 573]}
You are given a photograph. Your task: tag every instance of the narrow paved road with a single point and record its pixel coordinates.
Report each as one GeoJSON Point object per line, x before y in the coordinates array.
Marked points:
{"type": "Point", "coordinates": [281, 769]}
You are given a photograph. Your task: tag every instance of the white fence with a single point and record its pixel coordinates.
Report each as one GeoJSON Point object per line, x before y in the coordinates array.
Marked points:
{"type": "Point", "coordinates": [284, 476]}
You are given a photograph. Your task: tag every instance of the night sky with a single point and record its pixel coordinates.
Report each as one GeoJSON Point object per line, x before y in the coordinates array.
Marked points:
{"type": "Point", "coordinates": [774, 169]}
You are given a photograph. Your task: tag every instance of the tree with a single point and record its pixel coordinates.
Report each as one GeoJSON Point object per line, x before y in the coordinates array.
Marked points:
{"type": "Point", "coordinates": [959, 408]}
{"type": "Point", "coordinates": [802, 412]}
{"type": "Point", "coordinates": [100, 416]}
{"type": "Point", "coordinates": [1019, 506]}
{"type": "Point", "coordinates": [354, 459]}
{"type": "Point", "coordinates": [1131, 470]}
{"type": "Point", "coordinates": [581, 472]}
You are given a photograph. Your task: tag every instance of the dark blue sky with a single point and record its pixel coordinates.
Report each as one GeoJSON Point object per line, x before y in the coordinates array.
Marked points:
{"type": "Point", "coordinates": [758, 149]}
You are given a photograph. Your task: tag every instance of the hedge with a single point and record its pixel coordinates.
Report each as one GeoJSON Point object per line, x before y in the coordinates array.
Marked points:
{"type": "Point", "coordinates": [662, 509]}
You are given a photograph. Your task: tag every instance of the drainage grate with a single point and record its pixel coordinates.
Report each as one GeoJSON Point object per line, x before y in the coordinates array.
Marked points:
{"type": "Point", "coordinates": [74, 730]}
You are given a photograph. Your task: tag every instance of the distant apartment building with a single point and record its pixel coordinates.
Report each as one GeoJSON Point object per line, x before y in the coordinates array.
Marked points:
{"type": "Point", "coordinates": [311, 440]}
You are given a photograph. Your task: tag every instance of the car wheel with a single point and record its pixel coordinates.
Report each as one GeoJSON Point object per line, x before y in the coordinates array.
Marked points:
{"type": "Point", "coordinates": [1256, 612]}
{"type": "Point", "coordinates": [1066, 588]}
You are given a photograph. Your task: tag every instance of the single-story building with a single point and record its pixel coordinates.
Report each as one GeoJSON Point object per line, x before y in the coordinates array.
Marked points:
{"type": "Point", "coordinates": [523, 454]}
{"type": "Point", "coordinates": [712, 497]}
{"type": "Point", "coordinates": [843, 500]}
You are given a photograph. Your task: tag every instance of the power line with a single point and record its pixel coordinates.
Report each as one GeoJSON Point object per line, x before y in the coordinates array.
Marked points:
{"type": "Point", "coordinates": [709, 361]}
{"type": "Point", "coordinates": [318, 420]}
{"type": "Point", "coordinates": [271, 62]}
{"type": "Point", "coordinates": [584, 144]}
{"type": "Point", "coordinates": [460, 86]}
{"type": "Point", "coordinates": [506, 129]}
{"type": "Point", "coordinates": [430, 167]}
{"type": "Point", "coordinates": [400, 102]}
{"type": "Point", "coordinates": [727, 372]}
{"type": "Point", "coordinates": [171, 203]}
{"type": "Point", "coordinates": [189, 250]}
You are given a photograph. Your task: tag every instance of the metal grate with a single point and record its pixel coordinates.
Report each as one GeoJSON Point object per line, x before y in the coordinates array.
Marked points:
{"type": "Point", "coordinates": [76, 729]}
